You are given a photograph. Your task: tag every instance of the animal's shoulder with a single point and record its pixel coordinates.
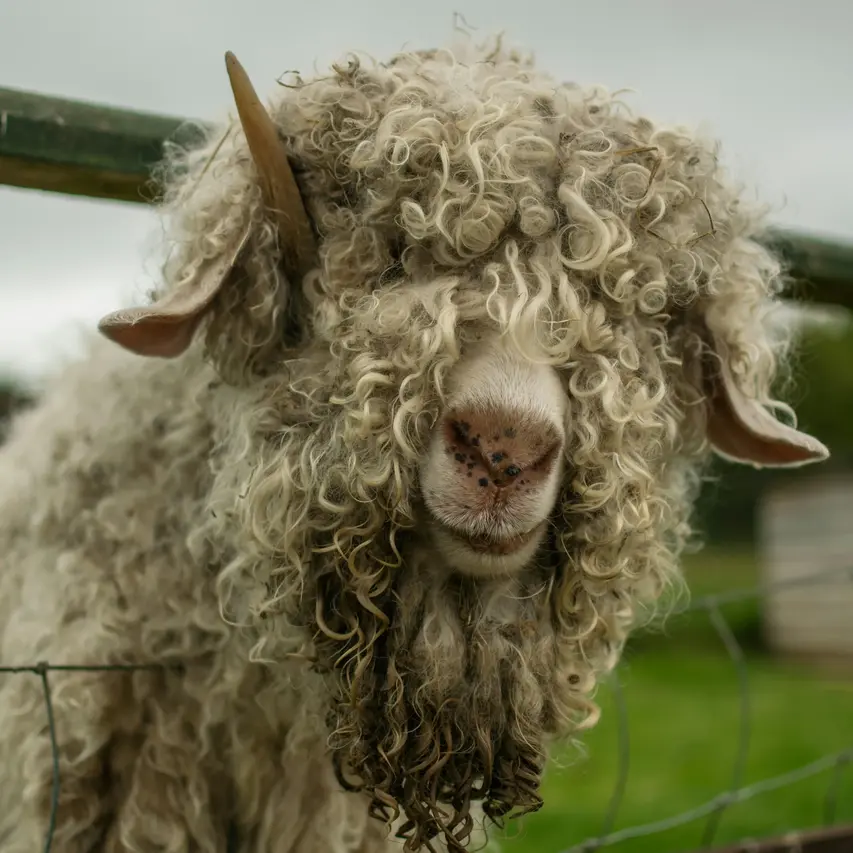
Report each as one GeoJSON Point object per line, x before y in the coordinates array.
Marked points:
{"type": "Point", "coordinates": [104, 422]}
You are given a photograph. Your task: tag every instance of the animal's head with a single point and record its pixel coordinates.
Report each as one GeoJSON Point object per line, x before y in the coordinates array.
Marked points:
{"type": "Point", "coordinates": [491, 327]}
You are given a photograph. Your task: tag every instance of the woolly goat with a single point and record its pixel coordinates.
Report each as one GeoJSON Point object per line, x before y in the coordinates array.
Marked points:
{"type": "Point", "coordinates": [381, 476]}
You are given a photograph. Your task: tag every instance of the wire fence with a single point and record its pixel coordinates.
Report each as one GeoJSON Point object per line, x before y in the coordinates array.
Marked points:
{"type": "Point", "coordinates": [833, 765]}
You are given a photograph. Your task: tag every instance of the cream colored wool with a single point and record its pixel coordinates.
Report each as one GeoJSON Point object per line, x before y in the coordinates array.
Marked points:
{"type": "Point", "coordinates": [250, 510]}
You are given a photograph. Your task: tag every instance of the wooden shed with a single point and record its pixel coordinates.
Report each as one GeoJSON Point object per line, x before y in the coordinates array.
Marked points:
{"type": "Point", "coordinates": [806, 532]}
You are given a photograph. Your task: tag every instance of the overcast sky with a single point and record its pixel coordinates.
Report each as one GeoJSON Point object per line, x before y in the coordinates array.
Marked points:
{"type": "Point", "coordinates": [772, 80]}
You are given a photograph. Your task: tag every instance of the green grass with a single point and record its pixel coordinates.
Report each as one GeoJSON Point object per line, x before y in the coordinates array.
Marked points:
{"type": "Point", "coordinates": [683, 704]}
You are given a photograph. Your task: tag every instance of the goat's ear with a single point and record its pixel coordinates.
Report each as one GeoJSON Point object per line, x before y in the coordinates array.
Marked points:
{"type": "Point", "coordinates": [741, 430]}
{"type": "Point", "coordinates": [166, 327]}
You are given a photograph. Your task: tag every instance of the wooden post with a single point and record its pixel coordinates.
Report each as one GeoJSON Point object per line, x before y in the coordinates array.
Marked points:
{"type": "Point", "coordinates": [837, 839]}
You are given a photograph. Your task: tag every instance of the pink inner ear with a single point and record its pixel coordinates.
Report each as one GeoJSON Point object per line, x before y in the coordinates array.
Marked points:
{"type": "Point", "coordinates": [742, 430]}
{"type": "Point", "coordinates": [166, 327]}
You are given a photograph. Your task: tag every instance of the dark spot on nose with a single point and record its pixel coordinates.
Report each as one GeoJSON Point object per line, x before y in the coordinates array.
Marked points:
{"type": "Point", "coordinates": [483, 481]}
{"type": "Point", "coordinates": [470, 465]}
{"type": "Point", "coordinates": [475, 441]}
{"type": "Point", "coordinates": [574, 679]}
{"type": "Point", "coordinates": [459, 457]}
{"type": "Point", "coordinates": [497, 457]}
{"type": "Point", "coordinates": [512, 470]}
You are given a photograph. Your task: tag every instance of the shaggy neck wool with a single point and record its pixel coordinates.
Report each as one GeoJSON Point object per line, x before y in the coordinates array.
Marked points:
{"type": "Point", "coordinates": [451, 703]}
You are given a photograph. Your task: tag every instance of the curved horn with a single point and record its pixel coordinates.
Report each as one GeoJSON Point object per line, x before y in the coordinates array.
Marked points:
{"type": "Point", "coordinates": [279, 186]}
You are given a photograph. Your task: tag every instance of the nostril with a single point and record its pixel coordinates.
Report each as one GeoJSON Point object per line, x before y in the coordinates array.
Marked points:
{"type": "Point", "coordinates": [457, 431]}
{"type": "Point", "coordinates": [501, 448]}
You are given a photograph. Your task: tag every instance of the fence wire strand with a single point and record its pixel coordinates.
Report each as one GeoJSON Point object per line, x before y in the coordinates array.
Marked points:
{"type": "Point", "coordinates": [837, 763]}
{"type": "Point", "coordinates": [624, 753]}
{"type": "Point", "coordinates": [41, 670]}
{"type": "Point", "coordinates": [830, 803]}
{"type": "Point", "coordinates": [736, 792]}
{"type": "Point", "coordinates": [729, 640]}
{"type": "Point", "coordinates": [765, 786]}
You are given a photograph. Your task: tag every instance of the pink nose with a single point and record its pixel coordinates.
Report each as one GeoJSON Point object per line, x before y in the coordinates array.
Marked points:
{"type": "Point", "coordinates": [501, 450]}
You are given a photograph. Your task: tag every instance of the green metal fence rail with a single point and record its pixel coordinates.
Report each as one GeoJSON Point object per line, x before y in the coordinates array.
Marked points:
{"type": "Point", "coordinates": [92, 150]}
{"type": "Point", "coordinates": [82, 149]}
